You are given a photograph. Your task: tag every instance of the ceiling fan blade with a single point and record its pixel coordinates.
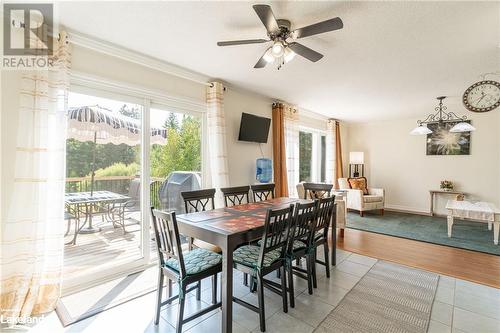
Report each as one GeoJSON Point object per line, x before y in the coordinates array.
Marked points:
{"type": "Point", "coordinates": [305, 51]}
{"type": "Point", "coordinates": [242, 42]}
{"type": "Point", "coordinates": [266, 15]}
{"type": "Point", "coordinates": [319, 28]}
{"type": "Point", "coordinates": [262, 62]}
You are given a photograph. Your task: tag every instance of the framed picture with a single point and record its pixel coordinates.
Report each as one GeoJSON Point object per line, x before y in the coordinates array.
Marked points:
{"type": "Point", "coordinates": [443, 142]}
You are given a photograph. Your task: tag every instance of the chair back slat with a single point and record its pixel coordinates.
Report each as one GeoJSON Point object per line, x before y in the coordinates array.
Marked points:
{"type": "Point", "coordinates": [326, 208]}
{"type": "Point", "coordinates": [167, 238]}
{"type": "Point", "coordinates": [199, 200]}
{"type": "Point", "coordinates": [276, 232]}
{"type": "Point", "coordinates": [303, 226]}
{"type": "Point", "coordinates": [317, 190]}
{"type": "Point", "coordinates": [235, 195]}
{"type": "Point", "coordinates": [262, 192]}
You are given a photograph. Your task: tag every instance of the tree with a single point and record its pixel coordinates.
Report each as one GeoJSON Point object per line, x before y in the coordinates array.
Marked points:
{"type": "Point", "coordinates": [305, 156]}
{"type": "Point", "coordinates": [182, 151]}
{"type": "Point", "coordinates": [130, 111]}
{"type": "Point", "coordinates": [172, 122]}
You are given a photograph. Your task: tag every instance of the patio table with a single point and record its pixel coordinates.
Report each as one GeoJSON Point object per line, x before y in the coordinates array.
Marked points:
{"type": "Point", "coordinates": [76, 200]}
{"type": "Point", "coordinates": [228, 228]}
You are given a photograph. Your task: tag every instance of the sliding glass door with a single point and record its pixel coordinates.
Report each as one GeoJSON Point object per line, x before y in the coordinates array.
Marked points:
{"type": "Point", "coordinates": [123, 155]}
{"type": "Point", "coordinates": [104, 219]}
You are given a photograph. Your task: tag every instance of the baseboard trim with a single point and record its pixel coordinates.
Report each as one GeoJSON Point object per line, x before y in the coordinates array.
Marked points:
{"type": "Point", "coordinates": [408, 210]}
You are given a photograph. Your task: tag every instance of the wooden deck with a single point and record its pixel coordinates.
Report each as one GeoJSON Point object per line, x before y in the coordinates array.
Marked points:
{"type": "Point", "coordinates": [103, 250]}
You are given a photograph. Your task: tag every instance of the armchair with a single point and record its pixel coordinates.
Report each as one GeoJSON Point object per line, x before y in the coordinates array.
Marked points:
{"type": "Point", "coordinates": [361, 202]}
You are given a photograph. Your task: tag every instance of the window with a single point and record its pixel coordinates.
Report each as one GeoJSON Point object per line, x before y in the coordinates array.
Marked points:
{"type": "Point", "coordinates": [312, 155]}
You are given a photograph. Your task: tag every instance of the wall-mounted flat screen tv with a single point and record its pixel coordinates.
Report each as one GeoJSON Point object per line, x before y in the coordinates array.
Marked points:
{"type": "Point", "coordinates": [254, 128]}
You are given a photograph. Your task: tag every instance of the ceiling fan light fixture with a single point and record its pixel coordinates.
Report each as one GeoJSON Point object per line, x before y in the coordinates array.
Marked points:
{"type": "Point", "coordinates": [268, 56]}
{"type": "Point", "coordinates": [278, 49]}
{"type": "Point", "coordinates": [289, 55]}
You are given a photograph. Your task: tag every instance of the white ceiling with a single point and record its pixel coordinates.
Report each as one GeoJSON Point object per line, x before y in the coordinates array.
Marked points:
{"type": "Point", "coordinates": [390, 61]}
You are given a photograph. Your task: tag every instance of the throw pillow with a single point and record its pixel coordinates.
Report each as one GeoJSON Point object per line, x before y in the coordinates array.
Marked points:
{"type": "Point", "coordinates": [358, 183]}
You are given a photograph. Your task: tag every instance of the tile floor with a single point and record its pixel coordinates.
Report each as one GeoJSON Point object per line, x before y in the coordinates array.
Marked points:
{"type": "Point", "coordinates": [459, 306]}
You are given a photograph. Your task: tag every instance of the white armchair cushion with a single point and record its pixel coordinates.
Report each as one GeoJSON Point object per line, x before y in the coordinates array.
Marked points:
{"type": "Point", "coordinates": [372, 198]}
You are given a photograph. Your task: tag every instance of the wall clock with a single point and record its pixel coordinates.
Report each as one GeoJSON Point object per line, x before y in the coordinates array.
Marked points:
{"type": "Point", "coordinates": [482, 96]}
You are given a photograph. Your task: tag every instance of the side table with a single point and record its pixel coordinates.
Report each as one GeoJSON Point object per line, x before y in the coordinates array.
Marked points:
{"type": "Point", "coordinates": [433, 193]}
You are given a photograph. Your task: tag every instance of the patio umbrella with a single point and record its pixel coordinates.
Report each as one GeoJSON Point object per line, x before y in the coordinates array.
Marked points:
{"type": "Point", "coordinates": [100, 125]}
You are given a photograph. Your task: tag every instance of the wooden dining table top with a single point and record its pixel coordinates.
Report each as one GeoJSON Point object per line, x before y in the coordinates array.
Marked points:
{"type": "Point", "coordinates": [236, 219]}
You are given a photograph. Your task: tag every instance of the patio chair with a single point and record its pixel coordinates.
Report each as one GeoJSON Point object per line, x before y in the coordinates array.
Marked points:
{"type": "Point", "coordinates": [262, 192]}
{"type": "Point", "coordinates": [325, 214]}
{"type": "Point", "coordinates": [197, 201]}
{"type": "Point", "coordinates": [130, 206]}
{"type": "Point", "coordinates": [184, 268]}
{"type": "Point", "coordinates": [68, 217]}
{"type": "Point", "coordinates": [259, 261]}
{"type": "Point", "coordinates": [299, 245]}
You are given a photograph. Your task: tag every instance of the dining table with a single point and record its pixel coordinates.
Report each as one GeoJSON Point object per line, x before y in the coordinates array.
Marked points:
{"type": "Point", "coordinates": [230, 227]}
{"type": "Point", "coordinates": [87, 203]}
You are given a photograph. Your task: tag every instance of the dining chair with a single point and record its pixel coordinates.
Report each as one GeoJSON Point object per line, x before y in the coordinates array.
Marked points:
{"type": "Point", "coordinates": [259, 261]}
{"type": "Point", "coordinates": [184, 268]}
{"type": "Point", "coordinates": [317, 190]}
{"type": "Point", "coordinates": [299, 245]}
{"type": "Point", "coordinates": [200, 201]}
{"type": "Point", "coordinates": [235, 195]}
{"type": "Point", "coordinates": [262, 192]}
{"type": "Point", "coordinates": [325, 215]}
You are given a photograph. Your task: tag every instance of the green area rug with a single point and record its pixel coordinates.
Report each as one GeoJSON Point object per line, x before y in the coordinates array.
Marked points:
{"type": "Point", "coordinates": [467, 235]}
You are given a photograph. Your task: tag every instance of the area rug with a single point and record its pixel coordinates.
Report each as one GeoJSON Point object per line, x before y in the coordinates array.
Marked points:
{"type": "Point", "coordinates": [390, 298]}
{"type": "Point", "coordinates": [467, 235]}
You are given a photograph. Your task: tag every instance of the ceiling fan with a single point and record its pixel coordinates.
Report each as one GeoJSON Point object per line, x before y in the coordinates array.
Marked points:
{"type": "Point", "coordinates": [283, 50]}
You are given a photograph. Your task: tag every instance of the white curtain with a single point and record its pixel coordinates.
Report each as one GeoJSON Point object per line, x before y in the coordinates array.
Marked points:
{"type": "Point", "coordinates": [291, 120]}
{"type": "Point", "coordinates": [330, 152]}
{"type": "Point", "coordinates": [32, 233]}
{"type": "Point", "coordinates": [216, 128]}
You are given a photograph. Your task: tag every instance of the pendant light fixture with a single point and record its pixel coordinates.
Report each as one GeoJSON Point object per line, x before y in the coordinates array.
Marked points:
{"type": "Point", "coordinates": [441, 117]}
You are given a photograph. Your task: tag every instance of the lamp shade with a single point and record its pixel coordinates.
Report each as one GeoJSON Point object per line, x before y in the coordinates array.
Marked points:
{"type": "Point", "coordinates": [421, 130]}
{"type": "Point", "coordinates": [356, 157]}
{"type": "Point", "coordinates": [462, 127]}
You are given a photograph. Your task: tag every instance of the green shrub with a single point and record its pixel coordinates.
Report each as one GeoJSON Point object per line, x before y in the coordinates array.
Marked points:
{"type": "Point", "coordinates": [118, 169]}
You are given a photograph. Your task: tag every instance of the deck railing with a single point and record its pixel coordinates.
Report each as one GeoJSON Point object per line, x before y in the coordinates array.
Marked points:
{"type": "Point", "coordinates": [117, 184]}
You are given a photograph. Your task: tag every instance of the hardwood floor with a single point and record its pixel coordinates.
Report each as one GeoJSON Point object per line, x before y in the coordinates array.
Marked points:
{"type": "Point", "coordinates": [463, 264]}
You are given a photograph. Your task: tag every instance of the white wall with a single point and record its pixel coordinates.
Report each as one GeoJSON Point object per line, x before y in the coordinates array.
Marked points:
{"type": "Point", "coordinates": [398, 162]}
{"type": "Point", "coordinates": [242, 155]}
